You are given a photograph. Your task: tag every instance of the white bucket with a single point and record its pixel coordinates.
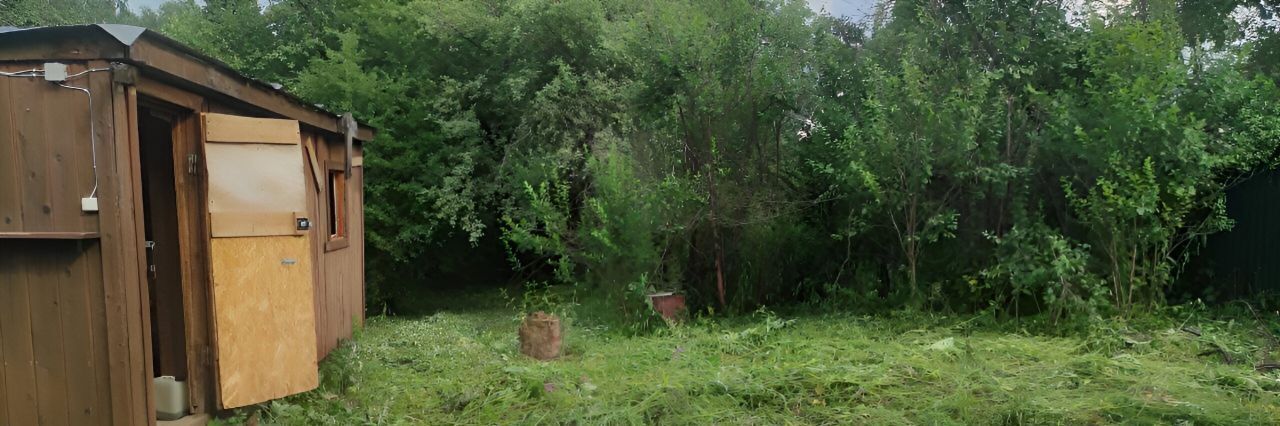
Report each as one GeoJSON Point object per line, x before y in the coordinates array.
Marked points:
{"type": "Point", "coordinates": [171, 398]}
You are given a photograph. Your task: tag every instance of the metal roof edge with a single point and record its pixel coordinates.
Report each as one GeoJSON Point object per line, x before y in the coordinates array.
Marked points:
{"type": "Point", "coordinates": [128, 35]}
{"type": "Point", "coordinates": [125, 34]}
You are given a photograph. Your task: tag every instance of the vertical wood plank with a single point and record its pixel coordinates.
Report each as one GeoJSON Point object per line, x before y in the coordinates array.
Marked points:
{"type": "Point", "coordinates": [98, 337]}
{"type": "Point", "coordinates": [140, 315]}
{"type": "Point", "coordinates": [357, 216]}
{"type": "Point", "coordinates": [193, 240]}
{"type": "Point", "coordinates": [216, 363]}
{"type": "Point", "coordinates": [73, 290]}
{"type": "Point", "coordinates": [50, 357]}
{"type": "Point", "coordinates": [64, 111]}
{"type": "Point", "coordinates": [317, 242]}
{"type": "Point", "coordinates": [156, 145]}
{"type": "Point", "coordinates": [6, 276]}
{"type": "Point", "coordinates": [15, 326]}
{"type": "Point", "coordinates": [10, 162]}
{"type": "Point", "coordinates": [79, 183]}
{"type": "Point", "coordinates": [118, 239]}
{"type": "Point", "coordinates": [30, 103]}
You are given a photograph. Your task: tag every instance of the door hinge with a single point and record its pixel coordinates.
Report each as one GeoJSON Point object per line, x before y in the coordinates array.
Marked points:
{"type": "Point", "coordinates": [192, 160]}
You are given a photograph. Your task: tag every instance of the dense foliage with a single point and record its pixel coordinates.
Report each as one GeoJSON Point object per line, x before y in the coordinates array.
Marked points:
{"type": "Point", "coordinates": [1018, 155]}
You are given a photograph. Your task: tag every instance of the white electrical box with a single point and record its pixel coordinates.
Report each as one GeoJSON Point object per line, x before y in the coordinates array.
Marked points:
{"type": "Point", "coordinates": [54, 71]}
{"type": "Point", "coordinates": [89, 204]}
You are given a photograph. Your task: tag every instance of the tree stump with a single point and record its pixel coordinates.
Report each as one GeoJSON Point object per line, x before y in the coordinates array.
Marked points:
{"type": "Point", "coordinates": [540, 336]}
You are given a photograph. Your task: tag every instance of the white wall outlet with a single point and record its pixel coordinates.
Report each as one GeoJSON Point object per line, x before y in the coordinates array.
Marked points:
{"type": "Point", "coordinates": [54, 71]}
{"type": "Point", "coordinates": [89, 204]}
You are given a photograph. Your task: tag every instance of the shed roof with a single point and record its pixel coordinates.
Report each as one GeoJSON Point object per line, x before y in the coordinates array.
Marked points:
{"type": "Point", "coordinates": [169, 59]}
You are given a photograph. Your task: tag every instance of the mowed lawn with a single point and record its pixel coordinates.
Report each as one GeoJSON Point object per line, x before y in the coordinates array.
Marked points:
{"type": "Point", "coordinates": [463, 367]}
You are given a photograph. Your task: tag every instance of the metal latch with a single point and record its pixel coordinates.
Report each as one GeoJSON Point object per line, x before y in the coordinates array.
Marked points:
{"type": "Point", "coordinates": [304, 224]}
{"type": "Point", "coordinates": [288, 261]}
{"type": "Point", "coordinates": [151, 245]}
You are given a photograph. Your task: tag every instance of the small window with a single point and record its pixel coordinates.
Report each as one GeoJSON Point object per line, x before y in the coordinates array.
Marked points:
{"type": "Point", "coordinates": [337, 195]}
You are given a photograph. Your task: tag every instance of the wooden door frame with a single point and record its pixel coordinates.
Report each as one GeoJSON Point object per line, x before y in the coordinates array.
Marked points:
{"type": "Point", "coordinates": [193, 231]}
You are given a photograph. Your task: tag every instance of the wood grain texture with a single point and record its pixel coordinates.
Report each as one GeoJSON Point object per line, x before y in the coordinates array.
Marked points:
{"type": "Point", "coordinates": [193, 238]}
{"type": "Point", "coordinates": [317, 174]}
{"type": "Point", "coordinates": [78, 341]}
{"type": "Point", "coordinates": [52, 339]}
{"type": "Point", "coordinates": [237, 129]}
{"type": "Point", "coordinates": [50, 356]}
{"type": "Point", "coordinates": [255, 178]}
{"type": "Point", "coordinates": [33, 147]}
{"type": "Point", "coordinates": [10, 159]}
{"type": "Point", "coordinates": [340, 272]}
{"type": "Point", "coordinates": [140, 320]}
{"type": "Point", "coordinates": [16, 348]}
{"type": "Point", "coordinates": [46, 162]}
{"type": "Point", "coordinates": [251, 224]}
{"type": "Point", "coordinates": [160, 204]}
{"type": "Point", "coordinates": [48, 235]}
{"type": "Point", "coordinates": [121, 239]}
{"type": "Point", "coordinates": [265, 323]}
{"type": "Point", "coordinates": [116, 241]}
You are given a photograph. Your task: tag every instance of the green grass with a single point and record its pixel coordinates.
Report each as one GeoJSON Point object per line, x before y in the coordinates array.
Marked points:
{"type": "Point", "coordinates": [462, 366]}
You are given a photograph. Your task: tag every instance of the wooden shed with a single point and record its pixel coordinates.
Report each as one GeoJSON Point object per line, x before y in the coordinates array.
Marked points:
{"type": "Point", "coordinates": [163, 215]}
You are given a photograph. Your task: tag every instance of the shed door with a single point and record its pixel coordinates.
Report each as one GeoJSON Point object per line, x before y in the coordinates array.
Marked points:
{"type": "Point", "coordinates": [264, 316]}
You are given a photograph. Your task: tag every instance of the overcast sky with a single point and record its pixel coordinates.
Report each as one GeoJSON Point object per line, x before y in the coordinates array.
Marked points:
{"type": "Point", "coordinates": [858, 10]}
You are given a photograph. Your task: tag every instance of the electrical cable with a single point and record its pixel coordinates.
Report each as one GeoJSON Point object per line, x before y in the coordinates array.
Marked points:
{"type": "Point", "coordinates": [93, 134]}
{"type": "Point", "coordinates": [93, 145]}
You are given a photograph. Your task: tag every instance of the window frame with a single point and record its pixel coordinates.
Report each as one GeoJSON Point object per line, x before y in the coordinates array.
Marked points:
{"type": "Point", "coordinates": [342, 222]}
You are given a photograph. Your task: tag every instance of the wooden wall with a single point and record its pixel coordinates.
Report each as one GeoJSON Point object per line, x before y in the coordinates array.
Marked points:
{"type": "Point", "coordinates": [74, 338]}
{"type": "Point", "coordinates": [53, 333]}
{"type": "Point", "coordinates": [72, 313]}
{"type": "Point", "coordinates": [45, 160]}
{"type": "Point", "coordinates": [339, 284]}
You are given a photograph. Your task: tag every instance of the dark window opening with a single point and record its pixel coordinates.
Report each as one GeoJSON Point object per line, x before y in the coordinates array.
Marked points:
{"type": "Point", "coordinates": [337, 208]}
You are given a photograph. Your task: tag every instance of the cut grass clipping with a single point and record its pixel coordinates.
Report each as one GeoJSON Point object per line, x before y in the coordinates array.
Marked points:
{"type": "Point", "coordinates": [463, 367]}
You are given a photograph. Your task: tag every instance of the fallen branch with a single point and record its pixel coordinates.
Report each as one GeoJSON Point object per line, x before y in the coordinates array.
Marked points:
{"type": "Point", "coordinates": [1218, 349]}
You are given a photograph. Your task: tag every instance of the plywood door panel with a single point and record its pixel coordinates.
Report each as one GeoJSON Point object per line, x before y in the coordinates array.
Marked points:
{"type": "Point", "coordinates": [251, 224]}
{"type": "Point", "coordinates": [255, 178]}
{"type": "Point", "coordinates": [230, 128]}
{"type": "Point", "coordinates": [263, 291]}
{"type": "Point", "coordinates": [263, 297]}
